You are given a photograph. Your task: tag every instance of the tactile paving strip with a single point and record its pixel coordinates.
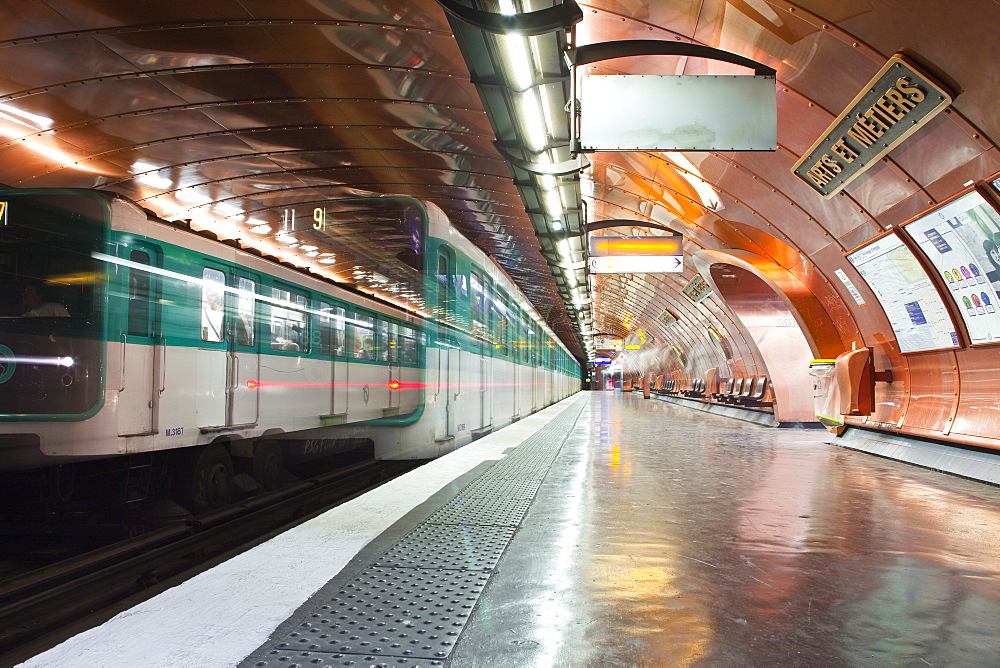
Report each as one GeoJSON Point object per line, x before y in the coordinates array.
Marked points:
{"type": "Point", "coordinates": [451, 546]}
{"type": "Point", "coordinates": [410, 606]}
{"type": "Point", "coordinates": [508, 489]}
{"type": "Point", "coordinates": [387, 612]}
{"type": "Point", "coordinates": [472, 510]}
{"type": "Point", "coordinates": [310, 659]}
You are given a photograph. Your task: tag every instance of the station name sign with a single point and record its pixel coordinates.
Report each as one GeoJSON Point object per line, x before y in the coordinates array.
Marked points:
{"type": "Point", "coordinates": [894, 105]}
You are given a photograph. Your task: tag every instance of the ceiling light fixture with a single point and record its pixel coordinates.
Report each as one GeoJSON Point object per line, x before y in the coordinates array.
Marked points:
{"type": "Point", "coordinates": [532, 123]}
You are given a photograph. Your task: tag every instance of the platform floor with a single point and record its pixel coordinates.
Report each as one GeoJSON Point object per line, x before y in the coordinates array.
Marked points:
{"type": "Point", "coordinates": [607, 530]}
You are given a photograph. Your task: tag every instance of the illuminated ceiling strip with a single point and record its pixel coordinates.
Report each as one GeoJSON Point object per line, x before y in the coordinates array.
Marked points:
{"type": "Point", "coordinates": [553, 207]}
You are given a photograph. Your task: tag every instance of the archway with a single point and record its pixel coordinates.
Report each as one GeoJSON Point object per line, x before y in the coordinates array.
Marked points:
{"type": "Point", "coordinates": [774, 329]}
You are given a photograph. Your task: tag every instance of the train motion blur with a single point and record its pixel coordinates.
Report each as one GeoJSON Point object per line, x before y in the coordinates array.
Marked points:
{"type": "Point", "coordinates": [128, 338]}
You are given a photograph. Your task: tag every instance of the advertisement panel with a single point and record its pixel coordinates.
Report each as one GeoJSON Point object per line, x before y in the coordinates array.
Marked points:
{"type": "Point", "coordinates": [916, 312]}
{"type": "Point", "coordinates": [962, 241]}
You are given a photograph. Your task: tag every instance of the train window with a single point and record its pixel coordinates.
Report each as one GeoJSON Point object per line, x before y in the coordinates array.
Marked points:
{"type": "Point", "coordinates": [516, 334]}
{"type": "Point", "coordinates": [408, 346]}
{"type": "Point", "coordinates": [383, 336]}
{"type": "Point", "coordinates": [390, 343]}
{"type": "Point", "coordinates": [339, 331]}
{"type": "Point", "coordinates": [138, 296]}
{"type": "Point", "coordinates": [364, 337]}
{"type": "Point", "coordinates": [529, 344]}
{"type": "Point", "coordinates": [446, 286]}
{"type": "Point", "coordinates": [479, 307]}
{"type": "Point", "coordinates": [246, 302]}
{"type": "Point", "coordinates": [213, 311]}
{"type": "Point", "coordinates": [289, 327]}
{"type": "Point", "coordinates": [324, 333]}
{"type": "Point", "coordinates": [488, 312]}
{"type": "Point", "coordinates": [501, 323]}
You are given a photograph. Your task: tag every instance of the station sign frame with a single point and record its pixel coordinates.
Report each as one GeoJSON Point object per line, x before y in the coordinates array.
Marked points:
{"type": "Point", "coordinates": [899, 100]}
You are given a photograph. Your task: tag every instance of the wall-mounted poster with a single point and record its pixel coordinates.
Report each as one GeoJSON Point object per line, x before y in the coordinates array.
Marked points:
{"type": "Point", "coordinates": [913, 305]}
{"type": "Point", "coordinates": [962, 241]}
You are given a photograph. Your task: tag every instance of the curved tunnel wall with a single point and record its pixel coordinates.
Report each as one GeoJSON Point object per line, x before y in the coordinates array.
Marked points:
{"type": "Point", "coordinates": [750, 203]}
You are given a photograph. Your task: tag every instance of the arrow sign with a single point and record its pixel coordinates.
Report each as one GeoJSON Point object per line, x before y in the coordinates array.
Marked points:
{"type": "Point", "coordinates": [637, 264]}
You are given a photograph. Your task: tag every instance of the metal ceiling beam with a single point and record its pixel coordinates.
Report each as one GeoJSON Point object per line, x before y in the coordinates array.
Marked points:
{"type": "Point", "coordinates": [541, 22]}
{"type": "Point", "coordinates": [592, 53]}
{"type": "Point", "coordinates": [625, 222]}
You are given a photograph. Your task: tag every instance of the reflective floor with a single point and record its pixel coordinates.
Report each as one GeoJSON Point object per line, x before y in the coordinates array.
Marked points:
{"type": "Point", "coordinates": [668, 537]}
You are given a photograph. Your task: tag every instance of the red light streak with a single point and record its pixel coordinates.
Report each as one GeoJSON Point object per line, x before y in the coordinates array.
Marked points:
{"type": "Point", "coordinates": [400, 385]}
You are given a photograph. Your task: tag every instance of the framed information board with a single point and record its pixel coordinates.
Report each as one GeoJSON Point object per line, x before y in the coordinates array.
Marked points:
{"type": "Point", "coordinates": [913, 305]}
{"type": "Point", "coordinates": [961, 239]}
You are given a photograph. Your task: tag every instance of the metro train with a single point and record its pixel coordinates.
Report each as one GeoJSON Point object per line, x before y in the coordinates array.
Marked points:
{"type": "Point", "coordinates": [159, 343]}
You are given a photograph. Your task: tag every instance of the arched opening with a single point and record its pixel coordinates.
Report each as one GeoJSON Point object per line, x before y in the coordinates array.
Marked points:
{"type": "Point", "coordinates": [771, 324]}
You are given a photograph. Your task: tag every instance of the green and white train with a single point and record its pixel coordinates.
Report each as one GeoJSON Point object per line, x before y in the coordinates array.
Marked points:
{"type": "Point", "coordinates": [176, 341]}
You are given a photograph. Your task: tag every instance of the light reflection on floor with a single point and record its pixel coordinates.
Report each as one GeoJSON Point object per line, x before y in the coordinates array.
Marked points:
{"type": "Point", "coordinates": [667, 537]}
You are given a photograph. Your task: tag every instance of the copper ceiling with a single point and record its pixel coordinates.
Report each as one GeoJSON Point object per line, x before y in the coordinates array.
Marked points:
{"type": "Point", "coordinates": [255, 105]}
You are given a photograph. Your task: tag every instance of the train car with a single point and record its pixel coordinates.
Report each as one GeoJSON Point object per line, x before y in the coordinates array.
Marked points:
{"type": "Point", "coordinates": [122, 335]}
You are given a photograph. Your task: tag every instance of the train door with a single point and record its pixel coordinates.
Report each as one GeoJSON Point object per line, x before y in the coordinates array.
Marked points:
{"type": "Point", "coordinates": [516, 353]}
{"type": "Point", "coordinates": [211, 360]}
{"type": "Point", "coordinates": [332, 344]}
{"type": "Point", "coordinates": [243, 350]}
{"type": "Point", "coordinates": [390, 356]}
{"type": "Point", "coordinates": [500, 367]}
{"type": "Point", "coordinates": [142, 345]}
{"type": "Point", "coordinates": [447, 366]}
{"type": "Point", "coordinates": [341, 369]}
{"type": "Point", "coordinates": [532, 339]}
{"type": "Point", "coordinates": [479, 308]}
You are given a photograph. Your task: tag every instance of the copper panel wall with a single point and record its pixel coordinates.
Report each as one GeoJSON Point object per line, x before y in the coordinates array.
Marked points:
{"type": "Point", "coordinates": [979, 401]}
{"type": "Point", "coordinates": [933, 392]}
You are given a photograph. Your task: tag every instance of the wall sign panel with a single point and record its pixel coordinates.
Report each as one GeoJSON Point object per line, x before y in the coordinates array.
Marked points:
{"type": "Point", "coordinates": [962, 240]}
{"type": "Point", "coordinates": [913, 305]}
{"type": "Point", "coordinates": [898, 101]}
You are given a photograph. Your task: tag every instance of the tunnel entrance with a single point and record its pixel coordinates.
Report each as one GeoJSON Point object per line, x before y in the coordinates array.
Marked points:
{"type": "Point", "coordinates": [778, 336]}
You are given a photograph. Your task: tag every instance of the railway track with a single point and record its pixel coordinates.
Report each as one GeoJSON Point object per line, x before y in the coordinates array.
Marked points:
{"type": "Point", "coordinates": [44, 601]}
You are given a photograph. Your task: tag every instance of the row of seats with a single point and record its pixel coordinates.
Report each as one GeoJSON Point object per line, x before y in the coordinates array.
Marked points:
{"type": "Point", "coordinates": [744, 392]}
{"type": "Point", "coordinates": [673, 388]}
{"type": "Point", "coordinates": [660, 386]}
{"type": "Point", "coordinates": [696, 391]}
{"type": "Point", "coordinates": [751, 391]}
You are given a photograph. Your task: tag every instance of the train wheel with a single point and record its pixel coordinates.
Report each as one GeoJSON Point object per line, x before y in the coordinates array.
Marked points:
{"type": "Point", "coordinates": [206, 481]}
{"type": "Point", "coordinates": [268, 465]}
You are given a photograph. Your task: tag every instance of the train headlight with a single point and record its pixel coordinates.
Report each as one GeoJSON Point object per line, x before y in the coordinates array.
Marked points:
{"type": "Point", "coordinates": [393, 384]}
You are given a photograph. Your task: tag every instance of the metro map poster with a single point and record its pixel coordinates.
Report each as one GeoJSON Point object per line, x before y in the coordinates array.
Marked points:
{"type": "Point", "coordinates": [911, 302]}
{"type": "Point", "coordinates": [962, 241]}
